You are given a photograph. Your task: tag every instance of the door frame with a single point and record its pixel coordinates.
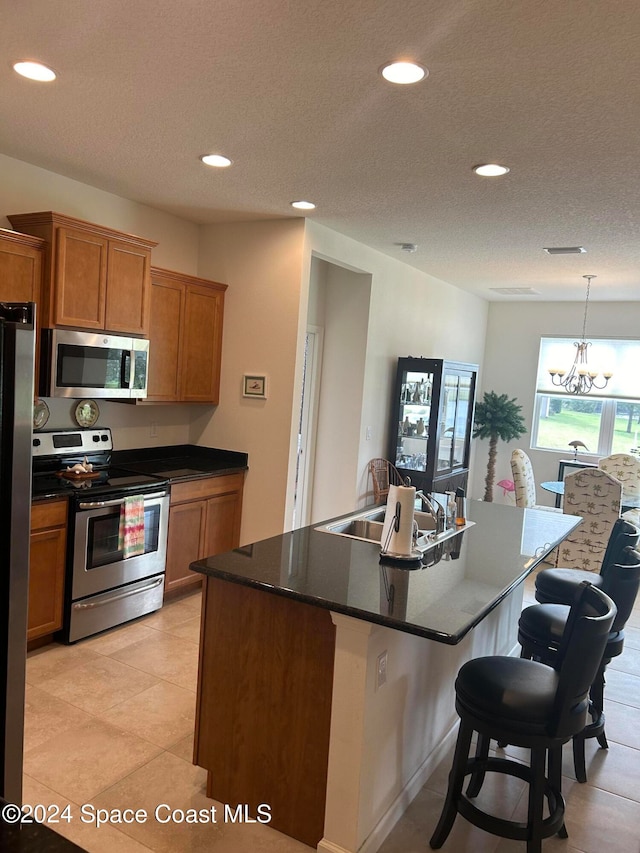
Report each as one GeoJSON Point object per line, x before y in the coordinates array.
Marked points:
{"type": "Point", "coordinates": [305, 459]}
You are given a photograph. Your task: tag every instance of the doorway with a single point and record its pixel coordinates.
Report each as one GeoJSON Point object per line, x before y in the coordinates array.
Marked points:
{"type": "Point", "coordinates": [329, 429]}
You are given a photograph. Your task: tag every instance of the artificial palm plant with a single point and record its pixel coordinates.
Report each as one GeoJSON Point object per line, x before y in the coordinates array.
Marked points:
{"type": "Point", "coordinates": [496, 417]}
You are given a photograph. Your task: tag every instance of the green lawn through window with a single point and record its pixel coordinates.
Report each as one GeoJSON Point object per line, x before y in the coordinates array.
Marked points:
{"type": "Point", "coordinates": [556, 431]}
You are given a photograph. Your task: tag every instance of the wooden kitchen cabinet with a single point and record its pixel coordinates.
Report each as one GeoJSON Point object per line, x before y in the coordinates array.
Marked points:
{"type": "Point", "coordinates": [94, 277]}
{"type": "Point", "coordinates": [47, 567]}
{"type": "Point", "coordinates": [185, 335]}
{"type": "Point", "coordinates": [21, 274]}
{"type": "Point", "coordinates": [204, 519]}
{"type": "Point", "coordinates": [20, 267]}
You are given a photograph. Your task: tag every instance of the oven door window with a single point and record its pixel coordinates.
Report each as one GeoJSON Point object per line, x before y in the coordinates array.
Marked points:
{"type": "Point", "coordinates": [92, 367]}
{"type": "Point", "coordinates": [102, 536]}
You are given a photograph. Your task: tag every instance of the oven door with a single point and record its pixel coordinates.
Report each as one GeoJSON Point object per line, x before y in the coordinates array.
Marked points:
{"type": "Point", "coordinates": [98, 563]}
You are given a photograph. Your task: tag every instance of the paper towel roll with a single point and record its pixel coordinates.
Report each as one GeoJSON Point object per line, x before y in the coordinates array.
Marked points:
{"type": "Point", "coordinates": [400, 503]}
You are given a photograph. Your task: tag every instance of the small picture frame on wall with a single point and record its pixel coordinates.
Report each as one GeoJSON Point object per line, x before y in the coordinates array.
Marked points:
{"type": "Point", "coordinates": [254, 385]}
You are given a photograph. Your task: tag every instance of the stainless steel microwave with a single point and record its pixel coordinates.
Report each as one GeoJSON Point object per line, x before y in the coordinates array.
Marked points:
{"type": "Point", "coordinates": [93, 364]}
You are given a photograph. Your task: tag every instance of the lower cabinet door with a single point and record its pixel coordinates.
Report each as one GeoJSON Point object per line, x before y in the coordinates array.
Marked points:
{"type": "Point", "coordinates": [184, 544]}
{"type": "Point", "coordinates": [222, 528]}
{"type": "Point", "coordinates": [204, 519]}
{"type": "Point", "coordinates": [46, 580]}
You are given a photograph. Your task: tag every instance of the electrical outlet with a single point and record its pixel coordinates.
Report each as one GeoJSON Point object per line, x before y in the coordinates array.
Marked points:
{"type": "Point", "coordinates": [153, 429]}
{"type": "Point", "coordinates": [381, 673]}
{"type": "Point", "coordinates": [368, 433]}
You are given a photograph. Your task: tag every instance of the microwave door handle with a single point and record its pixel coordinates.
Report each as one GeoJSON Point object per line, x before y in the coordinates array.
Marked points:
{"type": "Point", "coordinates": [125, 368]}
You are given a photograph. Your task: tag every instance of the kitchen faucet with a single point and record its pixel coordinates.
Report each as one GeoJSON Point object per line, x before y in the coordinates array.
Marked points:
{"type": "Point", "coordinates": [435, 510]}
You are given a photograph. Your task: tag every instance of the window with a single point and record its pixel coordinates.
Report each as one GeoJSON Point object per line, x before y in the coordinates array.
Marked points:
{"type": "Point", "coordinates": [606, 420]}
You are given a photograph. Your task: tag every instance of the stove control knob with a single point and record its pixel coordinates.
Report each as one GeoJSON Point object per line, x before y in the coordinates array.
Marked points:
{"type": "Point", "coordinates": [96, 438]}
{"type": "Point", "coordinates": [104, 438]}
{"type": "Point", "coordinates": [36, 442]}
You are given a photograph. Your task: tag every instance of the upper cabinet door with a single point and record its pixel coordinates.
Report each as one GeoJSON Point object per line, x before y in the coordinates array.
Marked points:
{"type": "Point", "coordinates": [165, 338]}
{"type": "Point", "coordinates": [202, 344]}
{"type": "Point", "coordinates": [81, 279]}
{"type": "Point", "coordinates": [20, 268]}
{"type": "Point", "coordinates": [128, 288]}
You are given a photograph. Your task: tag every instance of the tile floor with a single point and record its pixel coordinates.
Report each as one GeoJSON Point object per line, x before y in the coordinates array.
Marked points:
{"type": "Point", "coordinates": [109, 722]}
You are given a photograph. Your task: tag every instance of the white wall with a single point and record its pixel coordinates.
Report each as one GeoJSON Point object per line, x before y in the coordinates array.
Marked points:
{"type": "Point", "coordinates": [26, 189]}
{"type": "Point", "coordinates": [410, 313]}
{"type": "Point", "coordinates": [511, 362]}
{"type": "Point", "coordinates": [267, 266]}
{"type": "Point", "coordinates": [261, 262]}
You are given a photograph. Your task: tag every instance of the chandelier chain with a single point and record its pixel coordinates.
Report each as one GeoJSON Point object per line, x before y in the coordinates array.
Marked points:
{"type": "Point", "coordinates": [586, 306]}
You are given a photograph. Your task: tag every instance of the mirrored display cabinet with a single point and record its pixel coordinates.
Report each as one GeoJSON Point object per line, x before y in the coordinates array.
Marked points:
{"type": "Point", "coordinates": [431, 422]}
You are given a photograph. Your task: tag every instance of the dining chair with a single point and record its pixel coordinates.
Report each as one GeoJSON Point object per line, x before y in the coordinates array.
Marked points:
{"type": "Point", "coordinates": [596, 496]}
{"type": "Point", "coordinates": [525, 483]}
{"type": "Point", "coordinates": [383, 475]}
{"type": "Point", "coordinates": [626, 468]}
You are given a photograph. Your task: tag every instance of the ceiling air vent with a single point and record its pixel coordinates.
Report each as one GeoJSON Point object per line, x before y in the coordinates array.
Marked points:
{"type": "Point", "coordinates": [565, 250]}
{"type": "Point", "coordinates": [515, 291]}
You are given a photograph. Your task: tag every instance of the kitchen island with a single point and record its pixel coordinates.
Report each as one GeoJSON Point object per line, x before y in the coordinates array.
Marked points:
{"type": "Point", "coordinates": [325, 689]}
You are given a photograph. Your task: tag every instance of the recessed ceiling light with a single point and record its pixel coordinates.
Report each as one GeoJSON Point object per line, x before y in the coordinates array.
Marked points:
{"type": "Point", "coordinates": [218, 160]}
{"type": "Point", "coordinates": [403, 72]}
{"type": "Point", "coordinates": [35, 71]}
{"type": "Point", "coordinates": [490, 170]}
{"type": "Point", "coordinates": [303, 205]}
{"type": "Point", "coordinates": [565, 250]}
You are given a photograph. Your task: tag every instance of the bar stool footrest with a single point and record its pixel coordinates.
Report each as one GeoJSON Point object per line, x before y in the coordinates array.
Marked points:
{"type": "Point", "coordinates": [516, 830]}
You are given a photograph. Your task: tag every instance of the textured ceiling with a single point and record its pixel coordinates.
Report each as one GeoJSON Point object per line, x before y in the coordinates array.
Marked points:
{"type": "Point", "coordinates": [290, 90]}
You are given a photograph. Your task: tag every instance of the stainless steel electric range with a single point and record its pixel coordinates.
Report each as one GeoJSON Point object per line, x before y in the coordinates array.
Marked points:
{"type": "Point", "coordinates": [103, 587]}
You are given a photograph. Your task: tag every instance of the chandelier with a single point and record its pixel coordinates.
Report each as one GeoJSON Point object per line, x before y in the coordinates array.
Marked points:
{"type": "Point", "coordinates": [579, 379]}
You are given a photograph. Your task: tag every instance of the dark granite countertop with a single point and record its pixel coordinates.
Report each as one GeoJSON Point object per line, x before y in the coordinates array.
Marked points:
{"type": "Point", "coordinates": [179, 462]}
{"type": "Point", "coordinates": [470, 573]}
{"type": "Point", "coordinates": [33, 838]}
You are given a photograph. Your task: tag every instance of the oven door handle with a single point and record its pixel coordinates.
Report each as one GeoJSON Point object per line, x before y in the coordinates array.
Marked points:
{"type": "Point", "coordinates": [91, 604]}
{"type": "Point", "coordinates": [117, 501]}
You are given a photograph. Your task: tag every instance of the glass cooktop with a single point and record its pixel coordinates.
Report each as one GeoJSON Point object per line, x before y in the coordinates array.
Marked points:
{"type": "Point", "coordinates": [99, 482]}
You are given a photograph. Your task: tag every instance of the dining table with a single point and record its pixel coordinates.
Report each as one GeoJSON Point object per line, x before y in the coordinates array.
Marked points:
{"type": "Point", "coordinates": [557, 488]}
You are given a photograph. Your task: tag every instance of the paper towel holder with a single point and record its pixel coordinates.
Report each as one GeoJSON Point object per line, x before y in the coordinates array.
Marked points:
{"type": "Point", "coordinates": [391, 557]}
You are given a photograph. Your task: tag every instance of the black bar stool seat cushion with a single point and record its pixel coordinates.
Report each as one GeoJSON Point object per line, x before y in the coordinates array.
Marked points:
{"type": "Point", "coordinates": [558, 586]}
{"type": "Point", "coordinates": [513, 695]}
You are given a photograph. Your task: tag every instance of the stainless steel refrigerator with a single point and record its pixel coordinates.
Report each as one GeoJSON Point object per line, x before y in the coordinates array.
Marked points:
{"type": "Point", "coordinates": [17, 345]}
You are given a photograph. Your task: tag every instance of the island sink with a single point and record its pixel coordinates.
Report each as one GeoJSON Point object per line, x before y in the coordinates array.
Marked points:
{"type": "Point", "coordinates": [367, 525]}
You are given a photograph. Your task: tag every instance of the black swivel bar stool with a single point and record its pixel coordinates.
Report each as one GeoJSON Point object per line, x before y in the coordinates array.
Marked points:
{"type": "Point", "coordinates": [529, 704]}
{"type": "Point", "coordinates": [540, 632]}
{"type": "Point", "coordinates": [558, 586]}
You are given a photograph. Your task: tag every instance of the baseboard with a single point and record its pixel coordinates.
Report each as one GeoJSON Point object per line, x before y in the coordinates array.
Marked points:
{"type": "Point", "coordinates": [401, 803]}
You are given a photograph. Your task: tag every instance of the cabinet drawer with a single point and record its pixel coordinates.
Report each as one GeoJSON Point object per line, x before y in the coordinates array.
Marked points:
{"type": "Point", "coordinates": [48, 514]}
{"type": "Point", "coordinates": [206, 487]}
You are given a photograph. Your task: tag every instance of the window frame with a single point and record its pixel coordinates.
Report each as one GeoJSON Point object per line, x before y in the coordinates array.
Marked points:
{"type": "Point", "coordinates": [605, 433]}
